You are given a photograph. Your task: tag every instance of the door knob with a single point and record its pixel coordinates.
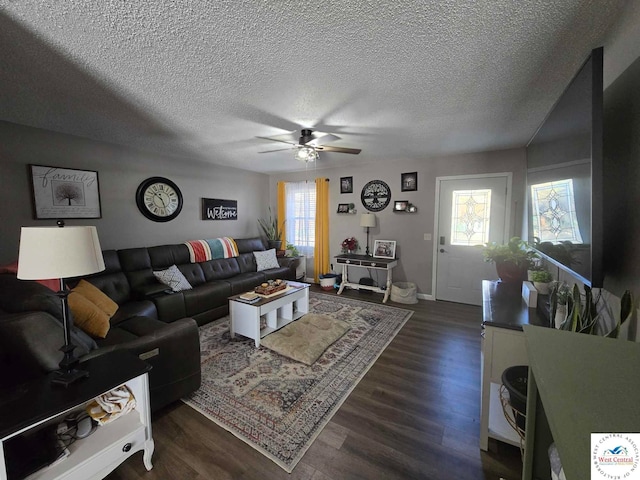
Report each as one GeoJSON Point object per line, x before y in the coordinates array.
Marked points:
{"type": "Point", "coordinates": [442, 250]}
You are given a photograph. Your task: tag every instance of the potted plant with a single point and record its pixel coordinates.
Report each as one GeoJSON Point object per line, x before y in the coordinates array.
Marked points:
{"type": "Point", "coordinates": [541, 280]}
{"type": "Point", "coordinates": [271, 230]}
{"type": "Point", "coordinates": [585, 316]}
{"type": "Point", "coordinates": [512, 259]}
{"type": "Point", "coordinates": [292, 250]}
{"type": "Point", "coordinates": [533, 268]}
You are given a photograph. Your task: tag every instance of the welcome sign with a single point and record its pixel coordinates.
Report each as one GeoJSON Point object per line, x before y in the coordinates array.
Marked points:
{"type": "Point", "coordinates": [217, 209]}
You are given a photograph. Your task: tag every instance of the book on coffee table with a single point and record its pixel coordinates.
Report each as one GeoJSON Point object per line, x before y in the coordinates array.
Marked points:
{"type": "Point", "coordinates": [249, 297]}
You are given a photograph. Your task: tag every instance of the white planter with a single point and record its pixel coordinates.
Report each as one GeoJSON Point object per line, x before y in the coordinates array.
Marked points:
{"type": "Point", "coordinates": [542, 288]}
{"type": "Point", "coordinates": [561, 314]}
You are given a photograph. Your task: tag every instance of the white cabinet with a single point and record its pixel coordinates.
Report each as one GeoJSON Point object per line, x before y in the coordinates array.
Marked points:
{"type": "Point", "coordinates": [503, 346]}
{"type": "Point", "coordinates": [41, 404]}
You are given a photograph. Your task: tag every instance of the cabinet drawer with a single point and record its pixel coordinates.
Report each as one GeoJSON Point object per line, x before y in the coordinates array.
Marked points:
{"type": "Point", "coordinates": [372, 263]}
{"type": "Point", "coordinates": [110, 457]}
{"type": "Point", "coordinates": [102, 451]}
{"type": "Point", "coordinates": [348, 261]}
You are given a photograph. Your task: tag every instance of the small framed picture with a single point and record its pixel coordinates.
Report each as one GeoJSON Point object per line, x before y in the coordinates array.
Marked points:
{"type": "Point", "coordinates": [409, 182]}
{"type": "Point", "coordinates": [346, 184]}
{"type": "Point", "coordinates": [400, 205]}
{"type": "Point", "coordinates": [384, 249]}
{"type": "Point", "coordinates": [343, 208]}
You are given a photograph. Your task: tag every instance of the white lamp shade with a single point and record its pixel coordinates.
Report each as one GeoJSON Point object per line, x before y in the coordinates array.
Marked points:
{"type": "Point", "coordinates": [58, 252]}
{"type": "Point", "coordinates": [367, 220]}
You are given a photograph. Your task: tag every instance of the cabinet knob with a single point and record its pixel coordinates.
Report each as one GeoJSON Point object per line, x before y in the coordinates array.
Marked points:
{"type": "Point", "coordinates": [126, 447]}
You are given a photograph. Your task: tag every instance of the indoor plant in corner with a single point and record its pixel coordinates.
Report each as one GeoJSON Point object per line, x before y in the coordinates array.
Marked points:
{"type": "Point", "coordinates": [272, 231]}
{"type": "Point", "coordinates": [512, 259]}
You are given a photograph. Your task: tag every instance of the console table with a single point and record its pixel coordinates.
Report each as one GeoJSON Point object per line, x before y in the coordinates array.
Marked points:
{"type": "Point", "coordinates": [364, 261]}
{"type": "Point", "coordinates": [37, 404]}
{"type": "Point", "coordinates": [503, 346]}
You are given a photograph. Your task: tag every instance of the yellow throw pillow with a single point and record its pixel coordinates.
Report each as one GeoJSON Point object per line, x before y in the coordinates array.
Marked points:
{"type": "Point", "coordinates": [97, 297]}
{"type": "Point", "coordinates": [87, 316]}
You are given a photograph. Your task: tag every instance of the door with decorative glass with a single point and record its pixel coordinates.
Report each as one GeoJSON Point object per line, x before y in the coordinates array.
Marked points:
{"type": "Point", "coordinates": [471, 212]}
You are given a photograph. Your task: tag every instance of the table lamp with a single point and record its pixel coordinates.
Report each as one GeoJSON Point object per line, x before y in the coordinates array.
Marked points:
{"type": "Point", "coordinates": [367, 220]}
{"type": "Point", "coordinates": [60, 252]}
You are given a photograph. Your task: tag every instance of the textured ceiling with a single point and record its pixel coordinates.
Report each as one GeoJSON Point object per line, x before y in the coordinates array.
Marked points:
{"type": "Point", "coordinates": [202, 79]}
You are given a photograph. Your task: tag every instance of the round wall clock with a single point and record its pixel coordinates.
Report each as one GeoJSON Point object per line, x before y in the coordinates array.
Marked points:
{"type": "Point", "coordinates": [159, 199]}
{"type": "Point", "coordinates": [375, 195]}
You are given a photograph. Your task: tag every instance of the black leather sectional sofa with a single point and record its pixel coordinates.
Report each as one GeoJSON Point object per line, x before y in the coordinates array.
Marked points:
{"type": "Point", "coordinates": [159, 326]}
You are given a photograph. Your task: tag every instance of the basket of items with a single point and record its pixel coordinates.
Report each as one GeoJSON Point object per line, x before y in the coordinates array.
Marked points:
{"type": "Point", "coordinates": [271, 287]}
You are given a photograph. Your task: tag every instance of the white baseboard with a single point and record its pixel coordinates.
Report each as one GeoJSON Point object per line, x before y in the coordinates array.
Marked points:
{"type": "Point", "coordinates": [425, 296]}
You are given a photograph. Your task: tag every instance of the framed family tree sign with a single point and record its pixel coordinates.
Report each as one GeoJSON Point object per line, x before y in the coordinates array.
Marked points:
{"type": "Point", "coordinates": [64, 193]}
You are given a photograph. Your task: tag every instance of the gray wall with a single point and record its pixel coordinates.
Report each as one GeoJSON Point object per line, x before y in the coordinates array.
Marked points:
{"type": "Point", "coordinates": [415, 254]}
{"type": "Point", "coordinates": [120, 171]}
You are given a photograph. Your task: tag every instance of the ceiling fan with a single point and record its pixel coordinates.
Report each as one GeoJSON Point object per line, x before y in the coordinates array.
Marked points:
{"type": "Point", "coordinates": [309, 144]}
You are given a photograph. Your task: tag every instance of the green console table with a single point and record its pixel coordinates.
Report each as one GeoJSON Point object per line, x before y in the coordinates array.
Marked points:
{"type": "Point", "coordinates": [578, 384]}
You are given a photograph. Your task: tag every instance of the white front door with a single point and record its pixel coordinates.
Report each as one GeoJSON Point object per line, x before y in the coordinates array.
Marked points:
{"type": "Point", "coordinates": [471, 212]}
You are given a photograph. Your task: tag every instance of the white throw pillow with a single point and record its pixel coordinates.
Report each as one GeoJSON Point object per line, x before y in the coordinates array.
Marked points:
{"type": "Point", "coordinates": [173, 277]}
{"type": "Point", "coordinates": [266, 259]}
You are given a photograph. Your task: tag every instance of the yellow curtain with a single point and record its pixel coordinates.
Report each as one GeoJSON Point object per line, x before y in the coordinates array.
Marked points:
{"type": "Point", "coordinates": [282, 213]}
{"type": "Point", "coordinates": [321, 249]}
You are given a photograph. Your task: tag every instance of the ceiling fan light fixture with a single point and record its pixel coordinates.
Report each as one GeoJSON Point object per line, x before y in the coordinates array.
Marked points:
{"type": "Point", "coordinates": [306, 154]}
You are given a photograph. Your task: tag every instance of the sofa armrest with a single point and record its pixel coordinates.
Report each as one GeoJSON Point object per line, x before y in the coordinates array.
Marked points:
{"type": "Point", "coordinates": [151, 290]}
{"type": "Point", "coordinates": [170, 306]}
{"type": "Point", "coordinates": [30, 346]}
{"type": "Point", "coordinates": [172, 350]}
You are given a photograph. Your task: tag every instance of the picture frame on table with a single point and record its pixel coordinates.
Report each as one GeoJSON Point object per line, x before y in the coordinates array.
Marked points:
{"type": "Point", "coordinates": [346, 184]}
{"type": "Point", "coordinates": [343, 208]}
{"type": "Point", "coordinates": [58, 193]}
{"type": "Point", "coordinates": [384, 249]}
{"type": "Point", "coordinates": [409, 182]}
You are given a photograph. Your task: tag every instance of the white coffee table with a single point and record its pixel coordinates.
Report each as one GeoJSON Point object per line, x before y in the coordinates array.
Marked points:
{"type": "Point", "coordinates": [276, 311]}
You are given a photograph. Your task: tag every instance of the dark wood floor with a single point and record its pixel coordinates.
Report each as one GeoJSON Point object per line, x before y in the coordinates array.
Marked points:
{"type": "Point", "coordinates": [416, 414]}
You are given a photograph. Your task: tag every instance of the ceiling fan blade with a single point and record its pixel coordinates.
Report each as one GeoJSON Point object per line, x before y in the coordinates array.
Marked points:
{"type": "Point", "coordinates": [353, 151]}
{"type": "Point", "coordinates": [276, 139]}
{"type": "Point", "coordinates": [322, 138]}
{"type": "Point", "coordinates": [277, 150]}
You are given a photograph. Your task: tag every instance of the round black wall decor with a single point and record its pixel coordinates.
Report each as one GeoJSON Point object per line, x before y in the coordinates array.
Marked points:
{"type": "Point", "coordinates": [376, 195]}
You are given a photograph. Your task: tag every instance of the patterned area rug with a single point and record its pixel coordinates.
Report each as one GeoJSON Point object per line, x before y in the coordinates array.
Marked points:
{"type": "Point", "coordinates": [275, 404]}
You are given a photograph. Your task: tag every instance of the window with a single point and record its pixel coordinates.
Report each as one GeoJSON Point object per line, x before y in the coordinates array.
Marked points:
{"type": "Point", "coordinates": [470, 217]}
{"type": "Point", "coordinates": [301, 215]}
{"type": "Point", "coordinates": [554, 212]}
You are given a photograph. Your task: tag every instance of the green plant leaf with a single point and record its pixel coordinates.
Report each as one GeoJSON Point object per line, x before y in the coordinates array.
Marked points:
{"type": "Point", "coordinates": [626, 309]}
{"type": "Point", "coordinates": [626, 306]}
{"type": "Point", "coordinates": [553, 304]}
